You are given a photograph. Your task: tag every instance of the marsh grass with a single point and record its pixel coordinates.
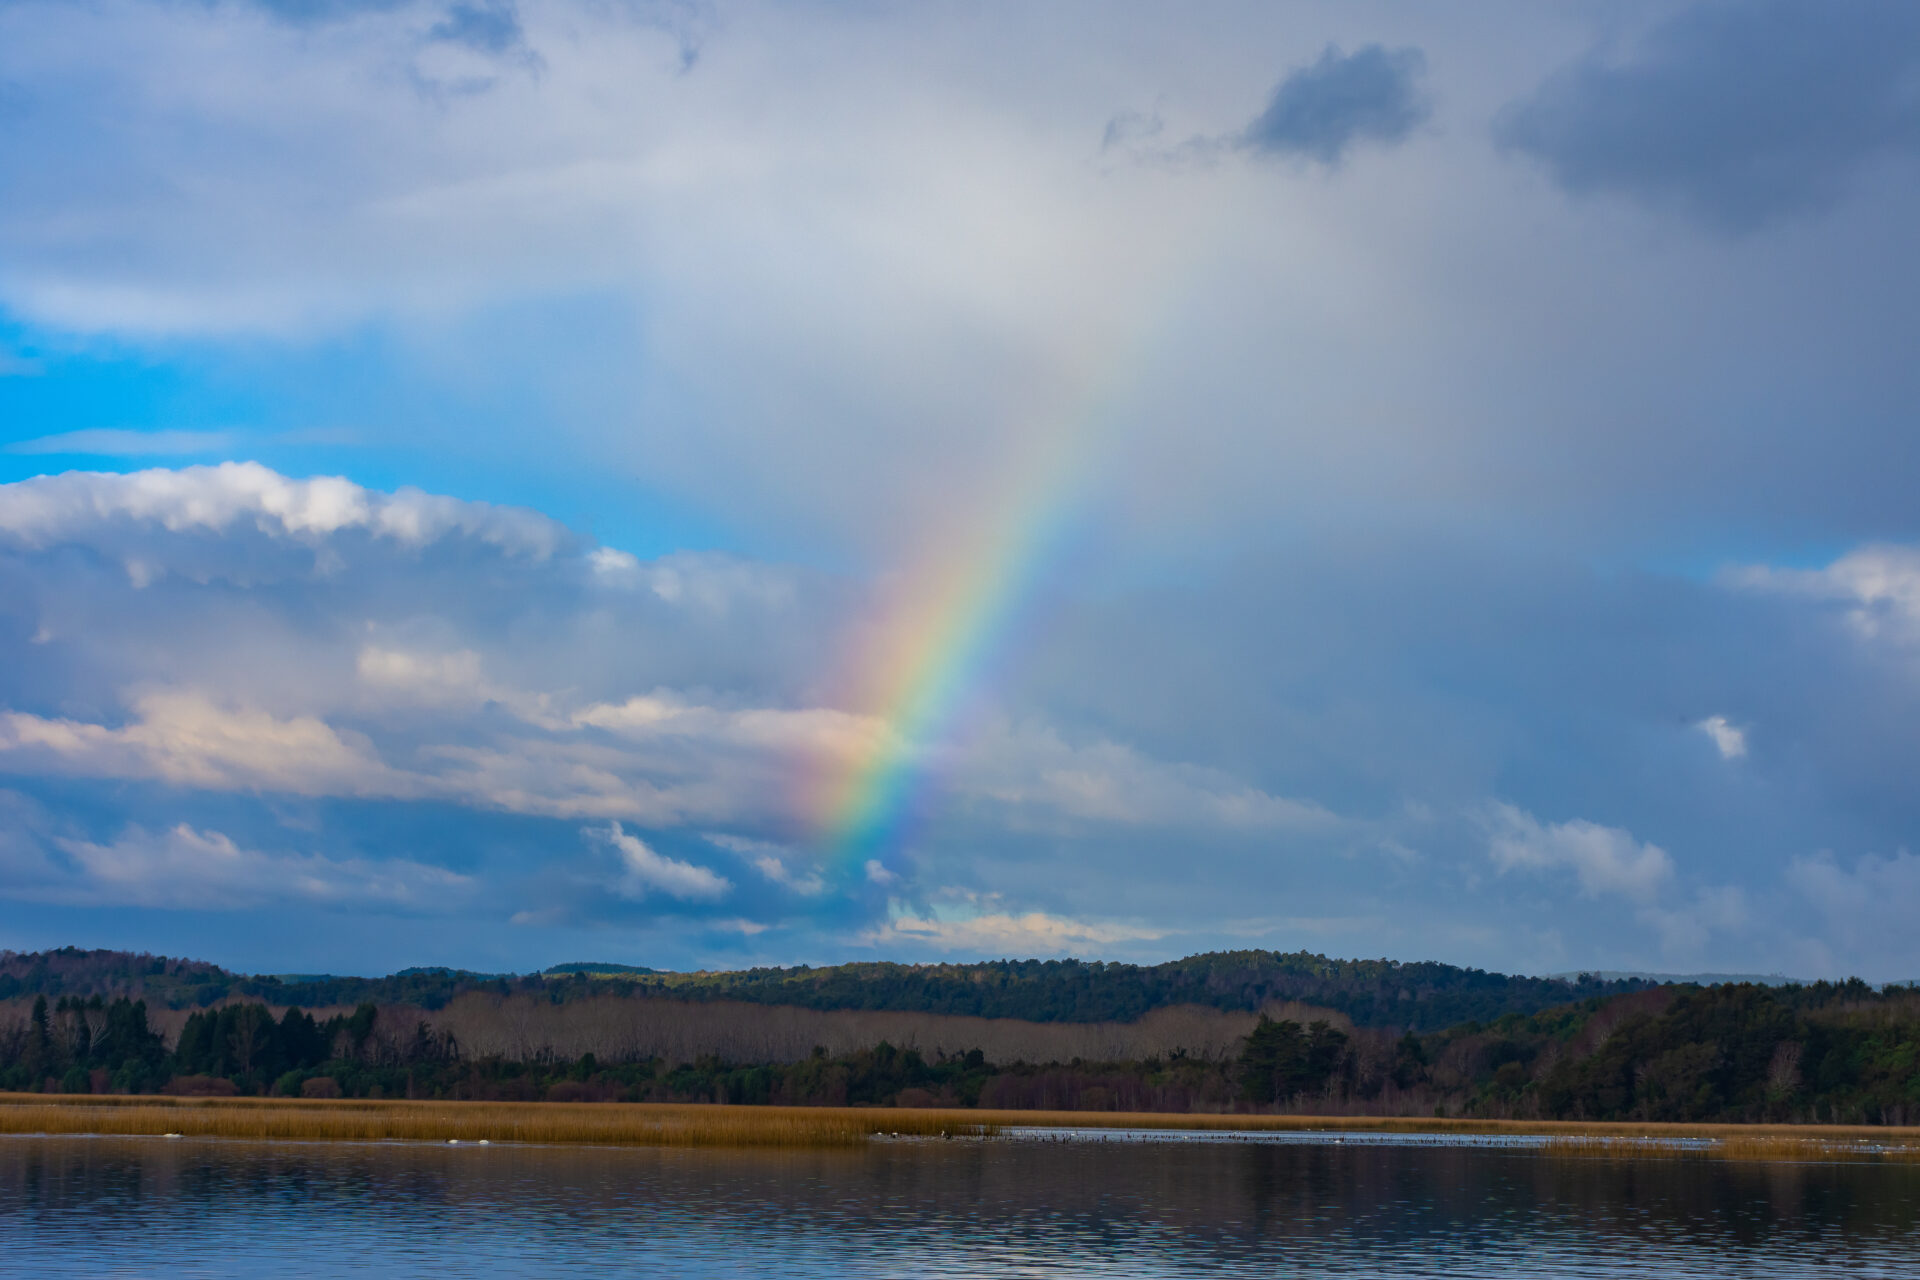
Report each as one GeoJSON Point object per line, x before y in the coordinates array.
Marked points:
{"type": "Point", "coordinates": [603, 1124]}
{"type": "Point", "coordinates": [690, 1125]}
{"type": "Point", "coordinates": [1765, 1147]}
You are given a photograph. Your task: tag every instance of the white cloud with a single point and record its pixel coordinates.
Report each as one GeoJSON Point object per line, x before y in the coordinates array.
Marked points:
{"type": "Point", "coordinates": [1728, 740]}
{"type": "Point", "coordinates": [79, 505]}
{"type": "Point", "coordinates": [186, 738]}
{"type": "Point", "coordinates": [814, 731]}
{"type": "Point", "coordinates": [614, 563]}
{"type": "Point", "coordinates": [502, 680]}
{"type": "Point", "coordinates": [184, 868]}
{"type": "Point", "coordinates": [451, 681]}
{"type": "Point", "coordinates": [1882, 582]}
{"type": "Point", "coordinates": [707, 582]}
{"type": "Point", "coordinates": [771, 860]}
{"type": "Point", "coordinates": [1004, 934]}
{"type": "Point", "coordinates": [430, 677]}
{"type": "Point", "coordinates": [1606, 860]}
{"type": "Point", "coordinates": [649, 872]}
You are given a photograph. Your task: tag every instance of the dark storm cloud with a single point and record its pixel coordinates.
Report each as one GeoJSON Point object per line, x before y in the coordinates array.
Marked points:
{"type": "Point", "coordinates": [1319, 111]}
{"type": "Point", "coordinates": [1738, 114]}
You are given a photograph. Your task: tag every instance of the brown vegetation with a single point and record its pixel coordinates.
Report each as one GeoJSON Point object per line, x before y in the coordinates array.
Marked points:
{"type": "Point", "coordinates": [525, 1028]}
{"type": "Point", "coordinates": [521, 1028]}
{"type": "Point", "coordinates": [646, 1124]}
{"type": "Point", "coordinates": [640, 1124]}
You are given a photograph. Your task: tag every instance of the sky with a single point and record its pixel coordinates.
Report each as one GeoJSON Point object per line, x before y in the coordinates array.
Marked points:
{"type": "Point", "coordinates": [491, 483]}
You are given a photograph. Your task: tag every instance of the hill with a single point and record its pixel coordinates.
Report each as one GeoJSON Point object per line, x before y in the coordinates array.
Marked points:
{"type": "Point", "coordinates": [1421, 996]}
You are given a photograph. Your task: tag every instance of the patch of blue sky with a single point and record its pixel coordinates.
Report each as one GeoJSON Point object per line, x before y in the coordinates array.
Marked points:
{"type": "Point", "coordinates": [366, 406]}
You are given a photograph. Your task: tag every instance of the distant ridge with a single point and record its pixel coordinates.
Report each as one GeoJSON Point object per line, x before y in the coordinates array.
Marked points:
{"type": "Point", "coordinates": [1686, 979]}
{"type": "Point", "coordinates": [1420, 996]}
{"type": "Point", "coordinates": [434, 971]}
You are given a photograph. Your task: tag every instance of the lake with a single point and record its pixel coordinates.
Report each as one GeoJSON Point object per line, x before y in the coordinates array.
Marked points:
{"type": "Point", "coordinates": [1012, 1207]}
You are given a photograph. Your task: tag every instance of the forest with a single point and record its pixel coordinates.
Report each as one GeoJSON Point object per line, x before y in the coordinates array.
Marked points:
{"type": "Point", "coordinates": [1822, 1052]}
{"type": "Point", "coordinates": [1368, 993]}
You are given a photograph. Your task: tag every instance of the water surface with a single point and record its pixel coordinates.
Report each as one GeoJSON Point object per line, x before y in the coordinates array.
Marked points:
{"type": "Point", "coordinates": [186, 1208]}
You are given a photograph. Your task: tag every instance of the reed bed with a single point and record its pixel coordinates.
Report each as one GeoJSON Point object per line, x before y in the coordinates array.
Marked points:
{"type": "Point", "coordinates": [1766, 1147]}
{"type": "Point", "coordinates": [688, 1125]}
{"type": "Point", "coordinates": [602, 1124]}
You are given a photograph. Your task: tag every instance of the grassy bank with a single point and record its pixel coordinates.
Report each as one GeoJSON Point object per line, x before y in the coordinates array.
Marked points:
{"type": "Point", "coordinates": [651, 1124]}
{"type": "Point", "coordinates": [639, 1124]}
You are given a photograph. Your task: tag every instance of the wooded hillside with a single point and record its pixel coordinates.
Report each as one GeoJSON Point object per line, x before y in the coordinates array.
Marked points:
{"type": "Point", "coordinates": [1422, 996]}
{"type": "Point", "coordinates": [1842, 1053]}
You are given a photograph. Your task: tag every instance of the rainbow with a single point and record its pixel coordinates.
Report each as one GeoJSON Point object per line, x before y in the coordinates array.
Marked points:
{"type": "Point", "coordinates": [918, 671]}
{"type": "Point", "coordinates": [931, 654]}
{"type": "Point", "coordinates": [915, 676]}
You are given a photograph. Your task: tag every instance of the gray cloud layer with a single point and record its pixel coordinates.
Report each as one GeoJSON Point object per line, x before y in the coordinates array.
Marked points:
{"type": "Point", "coordinates": [1363, 524]}
{"type": "Point", "coordinates": [224, 688]}
{"type": "Point", "coordinates": [1739, 114]}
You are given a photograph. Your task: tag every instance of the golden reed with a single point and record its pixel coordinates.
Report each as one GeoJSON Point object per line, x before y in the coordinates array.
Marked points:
{"type": "Point", "coordinates": [692, 1125]}
{"type": "Point", "coordinates": [606, 1124]}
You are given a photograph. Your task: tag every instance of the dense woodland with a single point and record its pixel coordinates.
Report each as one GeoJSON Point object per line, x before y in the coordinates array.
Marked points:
{"type": "Point", "coordinates": [1368, 993]}
{"type": "Point", "coordinates": [1822, 1052]}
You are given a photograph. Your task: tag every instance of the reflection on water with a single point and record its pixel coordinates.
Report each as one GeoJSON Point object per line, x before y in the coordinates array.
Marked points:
{"type": "Point", "coordinates": [137, 1207]}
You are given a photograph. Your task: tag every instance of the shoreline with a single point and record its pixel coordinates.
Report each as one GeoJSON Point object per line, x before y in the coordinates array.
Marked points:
{"type": "Point", "coordinates": [711, 1125]}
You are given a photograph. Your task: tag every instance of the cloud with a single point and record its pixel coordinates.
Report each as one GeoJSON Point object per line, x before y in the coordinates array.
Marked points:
{"type": "Point", "coordinates": [1880, 581]}
{"type": "Point", "coordinates": [1003, 934]}
{"type": "Point", "coordinates": [1686, 931]}
{"type": "Point", "coordinates": [1868, 909]}
{"type": "Point", "coordinates": [492, 26]}
{"type": "Point", "coordinates": [75, 505]}
{"type": "Point", "coordinates": [1030, 766]}
{"type": "Point", "coordinates": [1606, 860]}
{"type": "Point", "coordinates": [109, 443]}
{"type": "Point", "coordinates": [771, 860]}
{"type": "Point", "coordinates": [182, 868]}
{"type": "Point", "coordinates": [1323, 110]}
{"type": "Point", "coordinates": [299, 659]}
{"type": "Point", "coordinates": [451, 681]}
{"type": "Point", "coordinates": [821, 731]}
{"type": "Point", "coordinates": [320, 193]}
{"type": "Point", "coordinates": [666, 762]}
{"type": "Point", "coordinates": [1737, 114]}
{"type": "Point", "coordinates": [1729, 741]}
{"type": "Point", "coordinates": [185, 738]}
{"type": "Point", "coordinates": [649, 872]}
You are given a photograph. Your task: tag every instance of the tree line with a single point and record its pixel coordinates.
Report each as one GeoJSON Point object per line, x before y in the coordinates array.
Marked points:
{"type": "Point", "coordinates": [1829, 1052]}
{"type": "Point", "coordinates": [1368, 993]}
